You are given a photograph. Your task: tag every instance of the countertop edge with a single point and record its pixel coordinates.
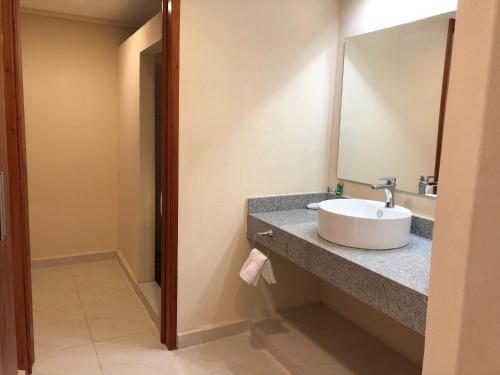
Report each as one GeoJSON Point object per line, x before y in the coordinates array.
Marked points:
{"type": "Point", "coordinates": [398, 301]}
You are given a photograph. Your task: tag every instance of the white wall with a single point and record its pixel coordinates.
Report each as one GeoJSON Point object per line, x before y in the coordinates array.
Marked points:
{"type": "Point", "coordinates": [256, 94]}
{"type": "Point", "coordinates": [362, 16]}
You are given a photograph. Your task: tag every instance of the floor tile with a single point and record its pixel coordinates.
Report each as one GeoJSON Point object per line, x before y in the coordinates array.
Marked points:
{"type": "Point", "coordinates": [194, 360]}
{"type": "Point", "coordinates": [274, 368]}
{"type": "Point", "coordinates": [89, 321]}
{"type": "Point", "coordinates": [116, 318]}
{"type": "Point", "coordinates": [306, 352]}
{"type": "Point", "coordinates": [54, 292]}
{"type": "Point", "coordinates": [336, 368]}
{"type": "Point", "coordinates": [372, 359]}
{"type": "Point", "coordinates": [99, 280]}
{"type": "Point", "coordinates": [319, 341]}
{"type": "Point", "coordinates": [49, 273]}
{"type": "Point", "coordinates": [103, 288]}
{"type": "Point", "coordinates": [60, 328]}
{"type": "Point", "coordinates": [108, 296]}
{"type": "Point", "coordinates": [240, 350]}
{"type": "Point", "coordinates": [81, 360]}
{"type": "Point", "coordinates": [88, 268]}
{"type": "Point", "coordinates": [143, 354]}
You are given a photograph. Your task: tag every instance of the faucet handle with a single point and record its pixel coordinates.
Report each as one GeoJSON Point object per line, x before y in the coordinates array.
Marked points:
{"type": "Point", "coordinates": [427, 179]}
{"type": "Point", "coordinates": [389, 180]}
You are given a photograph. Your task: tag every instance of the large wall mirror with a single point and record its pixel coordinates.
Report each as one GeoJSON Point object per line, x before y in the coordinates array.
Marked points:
{"type": "Point", "coordinates": [393, 104]}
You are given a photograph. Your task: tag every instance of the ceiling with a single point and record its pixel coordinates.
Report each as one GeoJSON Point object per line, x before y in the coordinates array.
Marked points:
{"type": "Point", "coordinates": [133, 12]}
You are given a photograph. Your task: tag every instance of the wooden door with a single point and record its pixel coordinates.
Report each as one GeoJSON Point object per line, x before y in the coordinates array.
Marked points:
{"type": "Point", "coordinates": [18, 184]}
{"type": "Point", "coordinates": [8, 350]}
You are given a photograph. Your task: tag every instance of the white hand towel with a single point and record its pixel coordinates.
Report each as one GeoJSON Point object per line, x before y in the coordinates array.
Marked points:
{"type": "Point", "coordinates": [268, 273]}
{"type": "Point", "coordinates": [250, 272]}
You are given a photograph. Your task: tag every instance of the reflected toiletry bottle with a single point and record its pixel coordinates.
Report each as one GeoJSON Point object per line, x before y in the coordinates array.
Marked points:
{"type": "Point", "coordinates": [340, 189]}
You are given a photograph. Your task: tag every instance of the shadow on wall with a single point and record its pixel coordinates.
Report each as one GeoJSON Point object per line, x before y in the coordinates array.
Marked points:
{"type": "Point", "coordinates": [225, 287]}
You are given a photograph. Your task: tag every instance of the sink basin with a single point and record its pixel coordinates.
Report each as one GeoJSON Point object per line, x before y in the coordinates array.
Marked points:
{"type": "Point", "coordinates": [364, 224]}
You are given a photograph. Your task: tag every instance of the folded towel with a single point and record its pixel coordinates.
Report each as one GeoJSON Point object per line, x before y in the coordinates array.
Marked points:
{"type": "Point", "coordinates": [256, 264]}
{"type": "Point", "coordinates": [268, 273]}
{"type": "Point", "coordinates": [250, 272]}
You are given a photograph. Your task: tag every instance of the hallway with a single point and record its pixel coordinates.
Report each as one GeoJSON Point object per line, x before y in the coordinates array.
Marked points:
{"type": "Point", "coordinates": [88, 321]}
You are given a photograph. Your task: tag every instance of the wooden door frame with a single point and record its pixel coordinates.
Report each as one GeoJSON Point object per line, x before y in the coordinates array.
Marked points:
{"type": "Point", "coordinates": [444, 98]}
{"type": "Point", "coordinates": [18, 185]}
{"type": "Point", "coordinates": [8, 347]}
{"type": "Point", "coordinates": [18, 179]}
{"type": "Point", "coordinates": [170, 175]}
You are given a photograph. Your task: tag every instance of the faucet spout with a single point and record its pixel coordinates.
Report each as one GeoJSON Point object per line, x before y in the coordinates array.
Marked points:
{"type": "Point", "coordinates": [389, 188]}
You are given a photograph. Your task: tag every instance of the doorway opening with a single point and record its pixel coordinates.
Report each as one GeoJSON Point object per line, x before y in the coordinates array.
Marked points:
{"type": "Point", "coordinates": [151, 167]}
{"type": "Point", "coordinates": [76, 124]}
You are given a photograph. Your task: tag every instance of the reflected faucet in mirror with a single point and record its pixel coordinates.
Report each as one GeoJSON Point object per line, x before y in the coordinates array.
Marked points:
{"type": "Point", "coordinates": [427, 186]}
{"type": "Point", "coordinates": [389, 188]}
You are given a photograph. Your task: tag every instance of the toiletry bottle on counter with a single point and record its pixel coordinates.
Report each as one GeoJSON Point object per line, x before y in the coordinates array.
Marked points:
{"type": "Point", "coordinates": [340, 189]}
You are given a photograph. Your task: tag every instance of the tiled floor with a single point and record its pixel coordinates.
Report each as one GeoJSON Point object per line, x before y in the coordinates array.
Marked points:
{"type": "Point", "coordinates": [314, 340]}
{"type": "Point", "coordinates": [88, 321]}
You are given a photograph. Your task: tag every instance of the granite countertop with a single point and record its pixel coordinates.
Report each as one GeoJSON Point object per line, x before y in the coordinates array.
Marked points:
{"type": "Point", "coordinates": [396, 282]}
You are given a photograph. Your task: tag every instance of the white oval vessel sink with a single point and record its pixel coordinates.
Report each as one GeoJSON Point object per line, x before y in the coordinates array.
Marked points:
{"type": "Point", "coordinates": [364, 224]}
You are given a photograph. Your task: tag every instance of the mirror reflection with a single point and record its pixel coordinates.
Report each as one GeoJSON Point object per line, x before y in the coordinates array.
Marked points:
{"type": "Point", "coordinates": [392, 112]}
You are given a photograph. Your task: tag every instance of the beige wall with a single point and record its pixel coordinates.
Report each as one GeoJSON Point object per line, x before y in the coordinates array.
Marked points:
{"type": "Point", "coordinates": [256, 93]}
{"type": "Point", "coordinates": [136, 61]}
{"type": "Point", "coordinates": [464, 306]}
{"type": "Point", "coordinates": [362, 16]}
{"type": "Point", "coordinates": [71, 98]}
{"type": "Point", "coordinates": [147, 165]}
{"type": "Point", "coordinates": [391, 96]}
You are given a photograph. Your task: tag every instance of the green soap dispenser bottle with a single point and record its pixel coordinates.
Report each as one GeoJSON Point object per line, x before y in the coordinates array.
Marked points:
{"type": "Point", "coordinates": [339, 191]}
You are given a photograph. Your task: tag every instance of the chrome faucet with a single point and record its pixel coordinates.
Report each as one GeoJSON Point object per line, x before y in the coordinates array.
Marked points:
{"type": "Point", "coordinates": [389, 188]}
{"type": "Point", "coordinates": [427, 185]}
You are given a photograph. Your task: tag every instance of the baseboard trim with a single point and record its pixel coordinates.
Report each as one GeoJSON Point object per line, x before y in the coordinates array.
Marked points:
{"type": "Point", "coordinates": [211, 333]}
{"type": "Point", "coordinates": [126, 267]}
{"type": "Point", "coordinates": [191, 338]}
{"type": "Point", "coordinates": [131, 279]}
{"type": "Point", "coordinates": [72, 259]}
